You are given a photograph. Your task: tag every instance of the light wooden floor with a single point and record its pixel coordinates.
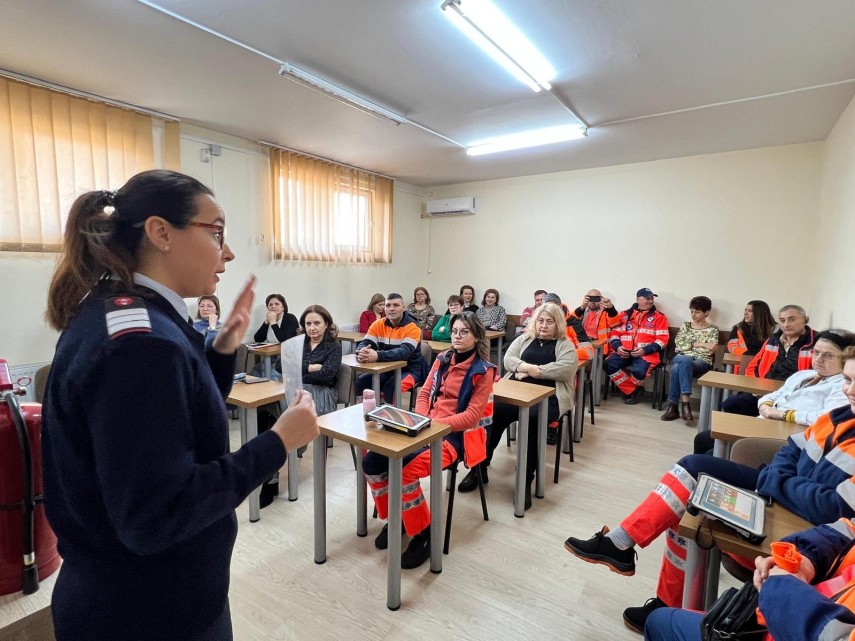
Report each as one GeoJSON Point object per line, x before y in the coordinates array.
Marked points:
{"type": "Point", "coordinates": [507, 578]}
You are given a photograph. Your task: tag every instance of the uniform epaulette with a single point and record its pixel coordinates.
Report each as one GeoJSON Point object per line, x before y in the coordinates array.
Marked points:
{"type": "Point", "coordinates": [126, 315]}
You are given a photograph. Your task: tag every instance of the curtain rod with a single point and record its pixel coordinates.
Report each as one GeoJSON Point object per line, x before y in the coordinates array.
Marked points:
{"type": "Point", "coordinates": [38, 82]}
{"type": "Point", "coordinates": [325, 159]}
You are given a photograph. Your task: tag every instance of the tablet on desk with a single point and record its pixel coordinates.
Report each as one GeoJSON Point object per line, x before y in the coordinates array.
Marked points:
{"type": "Point", "coordinates": [398, 420]}
{"type": "Point", "coordinates": [743, 510]}
{"type": "Point", "coordinates": [254, 379]}
{"type": "Point", "coordinates": [261, 344]}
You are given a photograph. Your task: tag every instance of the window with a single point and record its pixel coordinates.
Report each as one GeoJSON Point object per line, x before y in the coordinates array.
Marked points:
{"type": "Point", "coordinates": [329, 212]}
{"type": "Point", "coordinates": [54, 147]}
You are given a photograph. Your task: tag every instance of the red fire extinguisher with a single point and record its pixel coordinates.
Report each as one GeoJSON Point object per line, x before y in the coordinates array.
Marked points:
{"type": "Point", "coordinates": [27, 543]}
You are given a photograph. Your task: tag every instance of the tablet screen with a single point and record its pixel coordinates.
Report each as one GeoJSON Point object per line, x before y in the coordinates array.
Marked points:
{"type": "Point", "coordinates": [729, 503]}
{"type": "Point", "coordinates": [396, 416]}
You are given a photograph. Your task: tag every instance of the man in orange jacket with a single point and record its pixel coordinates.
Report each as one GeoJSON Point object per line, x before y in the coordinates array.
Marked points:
{"type": "Point", "coordinates": [638, 339]}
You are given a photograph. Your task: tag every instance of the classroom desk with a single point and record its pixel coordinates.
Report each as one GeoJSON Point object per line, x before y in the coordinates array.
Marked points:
{"type": "Point", "coordinates": [349, 425]}
{"type": "Point", "coordinates": [375, 369]}
{"type": "Point", "coordinates": [251, 396]}
{"type": "Point", "coordinates": [597, 369]}
{"type": "Point", "coordinates": [700, 589]}
{"type": "Point", "coordinates": [438, 346]}
{"type": "Point", "coordinates": [712, 384]}
{"type": "Point", "coordinates": [730, 360]}
{"type": "Point", "coordinates": [493, 334]}
{"type": "Point", "coordinates": [729, 428]}
{"type": "Point", "coordinates": [268, 350]}
{"type": "Point", "coordinates": [525, 395]}
{"type": "Point", "coordinates": [353, 337]}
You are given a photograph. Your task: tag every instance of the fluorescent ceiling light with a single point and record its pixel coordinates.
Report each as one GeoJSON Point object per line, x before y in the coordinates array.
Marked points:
{"type": "Point", "coordinates": [310, 80]}
{"type": "Point", "coordinates": [491, 30]}
{"type": "Point", "coordinates": [522, 140]}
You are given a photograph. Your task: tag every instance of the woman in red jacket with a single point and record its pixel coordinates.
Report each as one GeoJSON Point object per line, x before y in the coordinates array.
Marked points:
{"type": "Point", "coordinates": [457, 392]}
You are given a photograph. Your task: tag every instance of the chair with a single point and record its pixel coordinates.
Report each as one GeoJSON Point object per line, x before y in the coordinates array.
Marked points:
{"type": "Point", "coordinates": [562, 439]}
{"type": "Point", "coordinates": [452, 491]}
{"type": "Point", "coordinates": [662, 368]}
{"type": "Point", "coordinates": [427, 354]}
{"type": "Point", "coordinates": [344, 390]}
{"type": "Point", "coordinates": [40, 382]}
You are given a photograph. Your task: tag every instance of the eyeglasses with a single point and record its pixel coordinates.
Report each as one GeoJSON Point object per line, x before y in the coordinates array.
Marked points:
{"type": "Point", "coordinates": [462, 333]}
{"type": "Point", "coordinates": [220, 231]}
{"type": "Point", "coordinates": [824, 356]}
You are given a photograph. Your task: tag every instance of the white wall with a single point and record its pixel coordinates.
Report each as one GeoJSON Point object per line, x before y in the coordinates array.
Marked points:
{"type": "Point", "coordinates": [834, 300]}
{"type": "Point", "coordinates": [728, 226]}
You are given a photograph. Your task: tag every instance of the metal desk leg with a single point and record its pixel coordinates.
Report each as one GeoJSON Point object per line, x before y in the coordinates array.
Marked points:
{"type": "Point", "coordinates": [268, 367]}
{"type": "Point", "coordinates": [499, 355]}
{"type": "Point", "coordinates": [721, 449]}
{"type": "Point", "coordinates": [393, 570]}
{"type": "Point", "coordinates": [522, 450]}
{"type": "Point", "coordinates": [541, 447]}
{"type": "Point", "coordinates": [319, 480]}
{"type": "Point", "coordinates": [436, 506]}
{"type": "Point", "coordinates": [293, 475]}
{"type": "Point", "coordinates": [361, 502]}
{"type": "Point", "coordinates": [695, 571]}
{"type": "Point", "coordinates": [578, 413]}
{"type": "Point", "coordinates": [242, 420]}
{"type": "Point", "coordinates": [711, 582]}
{"type": "Point", "coordinates": [375, 384]}
{"type": "Point", "coordinates": [728, 369]}
{"type": "Point", "coordinates": [398, 394]}
{"type": "Point", "coordinates": [598, 374]}
{"type": "Point", "coordinates": [251, 433]}
{"type": "Point", "coordinates": [715, 404]}
{"type": "Point", "coordinates": [706, 409]}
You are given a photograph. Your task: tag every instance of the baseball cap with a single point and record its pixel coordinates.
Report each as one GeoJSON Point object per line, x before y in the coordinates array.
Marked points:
{"type": "Point", "coordinates": [645, 292]}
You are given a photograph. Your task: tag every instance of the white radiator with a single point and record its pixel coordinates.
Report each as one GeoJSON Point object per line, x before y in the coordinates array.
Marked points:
{"type": "Point", "coordinates": [25, 377]}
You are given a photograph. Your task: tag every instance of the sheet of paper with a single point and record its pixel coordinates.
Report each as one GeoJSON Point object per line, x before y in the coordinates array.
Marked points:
{"type": "Point", "coordinates": [292, 366]}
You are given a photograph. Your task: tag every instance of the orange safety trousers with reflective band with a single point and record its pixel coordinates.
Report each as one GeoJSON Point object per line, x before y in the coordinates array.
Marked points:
{"type": "Point", "coordinates": [414, 508]}
{"type": "Point", "coordinates": [661, 512]}
{"type": "Point", "coordinates": [625, 382]}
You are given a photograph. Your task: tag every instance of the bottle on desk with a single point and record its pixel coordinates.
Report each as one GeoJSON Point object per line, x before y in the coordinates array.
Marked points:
{"type": "Point", "coordinates": [369, 401]}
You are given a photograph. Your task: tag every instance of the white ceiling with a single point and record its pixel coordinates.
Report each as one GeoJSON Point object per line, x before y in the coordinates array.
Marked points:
{"type": "Point", "coordinates": [616, 60]}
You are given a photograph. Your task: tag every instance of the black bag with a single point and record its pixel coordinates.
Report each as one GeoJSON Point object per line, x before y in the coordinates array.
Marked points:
{"type": "Point", "coordinates": [733, 616]}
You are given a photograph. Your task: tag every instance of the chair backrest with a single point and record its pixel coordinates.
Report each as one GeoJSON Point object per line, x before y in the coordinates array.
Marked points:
{"type": "Point", "coordinates": [754, 452]}
{"type": "Point", "coordinates": [344, 385]}
{"type": "Point", "coordinates": [242, 355]}
{"type": "Point", "coordinates": [510, 330]}
{"type": "Point", "coordinates": [427, 352]}
{"type": "Point", "coordinates": [40, 382]}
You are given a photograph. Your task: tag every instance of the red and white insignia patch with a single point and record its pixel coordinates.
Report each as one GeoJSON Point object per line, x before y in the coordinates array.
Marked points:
{"type": "Point", "coordinates": [126, 315]}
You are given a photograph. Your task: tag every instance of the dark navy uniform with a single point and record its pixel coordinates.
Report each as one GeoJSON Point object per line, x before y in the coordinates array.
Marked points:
{"type": "Point", "coordinates": [140, 486]}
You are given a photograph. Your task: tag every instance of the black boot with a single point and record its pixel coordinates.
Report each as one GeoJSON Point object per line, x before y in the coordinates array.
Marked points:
{"type": "Point", "coordinates": [269, 491]}
{"type": "Point", "coordinates": [470, 481]}
{"type": "Point", "coordinates": [418, 551]}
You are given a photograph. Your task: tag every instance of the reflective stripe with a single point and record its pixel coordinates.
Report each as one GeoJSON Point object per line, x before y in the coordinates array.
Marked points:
{"type": "Point", "coordinates": [842, 459]}
{"type": "Point", "coordinates": [414, 502]}
{"type": "Point", "coordinates": [619, 377]}
{"type": "Point", "coordinates": [800, 440]}
{"type": "Point", "coordinates": [410, 487]}
{"type": "Point", "coordinates": [847, 490]}
{"type": "Point", "coordinates": [671, 500]}
{"type": "Point", "coordinates": [675, 560]}
{"type": "Point", "coordinates": [813, 450]}
{"type": "Point", "coordinates": [379, 491]}
{"type": "Point", "coordinates": [676, 539]}
{"type": "Point", "coordinates": [686, 479]}
{"type": "Point", "coordinates": [377, 478]}
{"type": "Point", "coordinates": [836, 631]}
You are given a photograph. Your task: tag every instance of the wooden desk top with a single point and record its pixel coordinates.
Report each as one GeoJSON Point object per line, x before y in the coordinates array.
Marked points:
{"type": "Point", "coordinates": [731, 359]}
{"type": "Point", "coordinates": [251, 395]}
{"type": "Point", "coordinates": [493, 333]}
{"type": "Point", "coordinates": [739, 383]}
{"type": "Point", "coordinates": [733, 427]}
{"type": "Point", "coordinates": [519, 393]}
{"type": "Point", "coordinates": [265, 350]}
{"type": "Point", "coordinates": [372, 368]}
{"type": "Point", "coordinates": [353, 337]}
{"type": "Point", "coordinates": [439, 346]}
{"type": "Point", "coordinates": [779, 523]}
{"type": "Point", "coordinates": [349, 425]}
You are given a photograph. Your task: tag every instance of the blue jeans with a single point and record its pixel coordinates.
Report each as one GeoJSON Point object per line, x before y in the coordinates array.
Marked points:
{"type": "Point", "coordinates": [671, 624]}
{"type": "Point", "coordinates": [683, 369]}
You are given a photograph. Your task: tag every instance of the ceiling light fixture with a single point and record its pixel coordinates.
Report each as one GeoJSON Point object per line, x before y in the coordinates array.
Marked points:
{"type": "Point", "coordinates": [491, 30]}
{"type": "Point", "coordinates": [522, 140]}
{"type": "Point", "coordinates": [312, 81]}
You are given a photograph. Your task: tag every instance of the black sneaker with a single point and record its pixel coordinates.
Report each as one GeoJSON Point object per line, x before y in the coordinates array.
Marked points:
{"type": "Point", "coordinates": [599, 549]}
{"type": "Point", "coordinates": [418, 551]}
{"type": "Point", "coordinates": [269, 491]}
{"type": "Point", "coordinates": [382, 540]}
{"type": "Point", "coordinates": [635, 618]}
{"type": "Point", "coordinates": [470, 481]}
{"type": "Point", "coordinates": [551, 435]}
{"type": "Point", "coordinates": [632, 399]}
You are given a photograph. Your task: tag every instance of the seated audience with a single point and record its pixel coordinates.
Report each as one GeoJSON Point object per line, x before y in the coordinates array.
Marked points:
{"type": "Point", "coordinates": [637, 340]}
{"type": "Point", "coordinates": [457, 392]}
{"type": "Point", "coordinates": [278, 327]}
{"type": "Point", "coordinates": [748, 336]}
{"type": "Point", "coordinates": [575, 332]}
{"type": "Point", "coordinates": [541, 356]}
{"type": "Point", "coordinates": [695, 346]}
{"type": "Point", "coordinates": [811, 476]}
{"type": "Point", "coordinates": [320, 362]}
{"type": "Point", "coordinates": [491, 314]}
{"type": "Point", "coordinates": [442, 329]}
{"type": "Point", "coordinates": [784, 353]}
{"type": "Point", "coordinates": [525, 317]}
{"type": "Point", "coordinates": [806, 394]}
{"type": "Point", "coordinates": [467, 293]}
{"type": "Point", "coordinates": [598, 315]}
{"type": "Point", "coordinates": [422, 311]}
{"type": "Point", "coordinates": [208, 318]}
{"type": "Point", "coordinates": [373, 312]}
{"type": "Point", "coordinates": [814, 603]}
{"type": "Point", "coordinates": [394, 338]}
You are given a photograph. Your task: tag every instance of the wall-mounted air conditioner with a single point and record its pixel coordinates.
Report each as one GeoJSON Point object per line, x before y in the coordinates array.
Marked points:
{"type": "Point", "coordinates": [450, 207]}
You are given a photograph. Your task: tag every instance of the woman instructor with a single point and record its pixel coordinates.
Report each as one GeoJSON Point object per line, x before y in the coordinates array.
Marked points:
{"type": "Point", "coordinates": [140, 486]}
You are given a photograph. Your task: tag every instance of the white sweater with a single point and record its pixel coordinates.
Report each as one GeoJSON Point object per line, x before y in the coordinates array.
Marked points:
{"type": "Point", "coordinates": [809, 402]}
